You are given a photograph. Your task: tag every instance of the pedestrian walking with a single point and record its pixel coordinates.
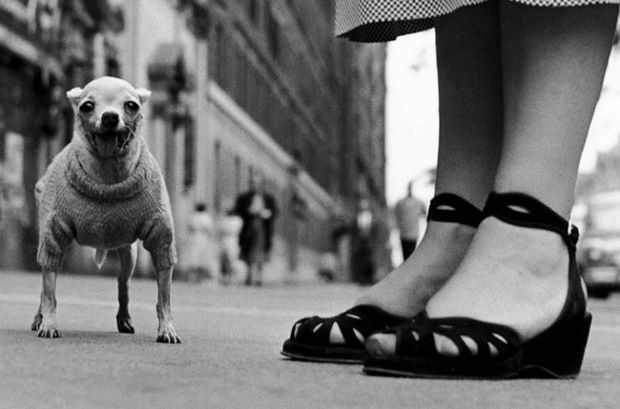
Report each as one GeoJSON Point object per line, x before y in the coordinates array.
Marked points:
{"type": "Point", "coordinates": [202, 245]}
{"type": "Point", "coordinates": [229, 227]}
{"type": "Point", "coordinates": [493, 290]}
{"type": "Point", "coordinates": [257, 210]}
{"type": "Point", "coordinates": [408, 211]}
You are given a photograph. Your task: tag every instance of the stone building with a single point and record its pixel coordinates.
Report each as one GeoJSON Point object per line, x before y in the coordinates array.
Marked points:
{"type": "Point", "coordinates": [243, 89]}
{"type": "Point", "coordinates": [44, 45]}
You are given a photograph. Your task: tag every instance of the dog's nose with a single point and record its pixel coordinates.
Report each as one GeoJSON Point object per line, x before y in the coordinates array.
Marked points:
{"type": "Point", "coordinates": [109, 119]}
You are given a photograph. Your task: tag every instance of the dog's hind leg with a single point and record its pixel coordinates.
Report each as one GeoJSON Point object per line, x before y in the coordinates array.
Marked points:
{"type": "Point", "coordinates": [166, 332]}
{"type": "Point", "coordinates": [127, 256]}
{"type": "Point", "coordinates": [46, 316]}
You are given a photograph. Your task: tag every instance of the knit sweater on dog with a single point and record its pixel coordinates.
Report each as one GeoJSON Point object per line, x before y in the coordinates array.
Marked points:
{"type": "Point", "coordinates": [73, 206]}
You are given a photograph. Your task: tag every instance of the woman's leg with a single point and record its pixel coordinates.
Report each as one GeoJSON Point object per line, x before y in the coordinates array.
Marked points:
{"type": "Point", "coordinates": [554, 61]}
{"type": "Point", "coordinates": [470, 94]}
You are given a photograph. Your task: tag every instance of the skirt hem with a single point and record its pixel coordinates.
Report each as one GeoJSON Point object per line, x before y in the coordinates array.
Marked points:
{"type": "Point", "coordinates": [383, 28]}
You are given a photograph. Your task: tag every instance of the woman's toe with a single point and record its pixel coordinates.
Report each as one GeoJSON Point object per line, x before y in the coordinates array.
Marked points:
{"type": "Point", "coordinates": [381, 345]}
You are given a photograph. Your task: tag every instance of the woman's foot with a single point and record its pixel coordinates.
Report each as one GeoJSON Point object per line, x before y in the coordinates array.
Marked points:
{"type": "Point", "coordinates": [511, 275]}
{"type": "Point", "coordinates": [389, 303]}
{"type": "Point", "coordinates": [407, 289]}
{"type": "Point", "coordinates": [340, 338]}
{"type": "Point", "coordinates": [515, 307]}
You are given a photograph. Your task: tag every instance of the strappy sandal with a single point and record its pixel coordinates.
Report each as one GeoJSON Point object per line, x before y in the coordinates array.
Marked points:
{"type": "Point", "coordinates": [340, 339]}
{"type": "Point", "coordinates": [499, 352]}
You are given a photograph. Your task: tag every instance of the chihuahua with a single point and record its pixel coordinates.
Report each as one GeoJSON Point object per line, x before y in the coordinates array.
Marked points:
{"type": "Point", "coordinates": [105, 190]}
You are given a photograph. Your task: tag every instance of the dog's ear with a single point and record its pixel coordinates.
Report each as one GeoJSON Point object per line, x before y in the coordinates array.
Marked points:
{"type": "Point", "coordinates": [74, 96]}
{"type": "Point", "coordinates": [143, 94]}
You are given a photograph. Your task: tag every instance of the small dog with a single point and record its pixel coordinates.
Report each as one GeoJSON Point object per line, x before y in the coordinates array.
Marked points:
{"type": "Point", "coordinates": [105, 190]}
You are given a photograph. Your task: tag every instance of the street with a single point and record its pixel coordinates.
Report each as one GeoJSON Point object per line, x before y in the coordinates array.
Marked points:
{"type": "Point", "coordinates": [230, 357]}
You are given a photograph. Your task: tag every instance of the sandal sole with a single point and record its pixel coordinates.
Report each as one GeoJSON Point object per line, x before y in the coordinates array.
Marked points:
{"type": "Point", "coordinates": [337, 355]}
{"type": "Point", "coordinates": [529, 372]}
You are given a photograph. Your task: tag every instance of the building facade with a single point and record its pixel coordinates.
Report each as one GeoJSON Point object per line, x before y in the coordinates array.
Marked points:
{"type": "Point", "coordinates": [44, 45]}
{"type": "Point", "coordinates": [240, 90]}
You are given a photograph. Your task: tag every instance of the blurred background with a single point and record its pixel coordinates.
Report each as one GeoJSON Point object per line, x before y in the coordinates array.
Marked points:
{"type": "Point", "coordinates": [255, 90]}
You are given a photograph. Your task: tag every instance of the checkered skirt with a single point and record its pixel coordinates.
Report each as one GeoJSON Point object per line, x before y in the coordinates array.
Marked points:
{"type": "Point", "coordinates": [384, 20]}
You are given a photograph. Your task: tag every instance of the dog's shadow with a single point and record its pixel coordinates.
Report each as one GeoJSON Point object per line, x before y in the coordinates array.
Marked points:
{"type": "Point", "coordinates": [70, 336]}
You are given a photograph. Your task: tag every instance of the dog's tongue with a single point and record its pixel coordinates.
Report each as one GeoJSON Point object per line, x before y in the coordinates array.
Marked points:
{"type": "Point", "coordinates": [106, 145]}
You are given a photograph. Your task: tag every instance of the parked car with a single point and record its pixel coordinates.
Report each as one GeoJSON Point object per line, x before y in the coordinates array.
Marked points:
{"type": "Point", "coordinates": [599, 252]}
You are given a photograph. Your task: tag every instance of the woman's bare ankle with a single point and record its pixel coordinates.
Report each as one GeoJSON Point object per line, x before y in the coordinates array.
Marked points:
{"type": "Point", "coordinates": [511, 275]}
{"type": "Point", "coordinates": [407, 289]}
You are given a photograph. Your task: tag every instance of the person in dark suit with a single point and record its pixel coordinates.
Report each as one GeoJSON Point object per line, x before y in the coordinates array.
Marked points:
{"type": "Point", "coordinates": [258, 210]}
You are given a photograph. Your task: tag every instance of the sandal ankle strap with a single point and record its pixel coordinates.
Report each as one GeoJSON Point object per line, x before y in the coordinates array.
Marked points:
{"type": "Point", "coordinates": [523, 210]}
{"type": "Point", "coordinates": [448, 207]}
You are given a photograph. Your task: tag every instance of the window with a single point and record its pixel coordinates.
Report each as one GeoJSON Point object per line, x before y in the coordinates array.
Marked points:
{"type": "Point", "coordinates": [254, 10]}
{"type": "Point", "coordinates": [251, 177]}
{"type": "Point", "coordinates": [273, 35]}
{"type": "Point", "coordinates": [190, 154]}
{"type": "Point", "coordinates": [217, 163]}
{"type": "Point", "coordinates": [215, 51]}
{"type": "Point", "coordinates": [238, 174]}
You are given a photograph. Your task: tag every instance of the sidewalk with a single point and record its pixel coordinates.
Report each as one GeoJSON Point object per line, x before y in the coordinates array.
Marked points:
{"type": "Point", "coordinates": [230, 355]}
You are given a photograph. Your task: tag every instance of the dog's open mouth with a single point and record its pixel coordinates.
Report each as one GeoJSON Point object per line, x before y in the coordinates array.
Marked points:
{"type": "Point", "coordinates": [109, 143]}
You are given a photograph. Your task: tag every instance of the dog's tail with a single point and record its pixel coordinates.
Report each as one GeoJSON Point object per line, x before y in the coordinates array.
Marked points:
{"type": "Point", "coordinates": [100, 257]}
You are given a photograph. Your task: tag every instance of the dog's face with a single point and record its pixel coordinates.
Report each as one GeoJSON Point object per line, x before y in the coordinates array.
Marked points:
{"type": "Point", "coordinates": [108, 113]}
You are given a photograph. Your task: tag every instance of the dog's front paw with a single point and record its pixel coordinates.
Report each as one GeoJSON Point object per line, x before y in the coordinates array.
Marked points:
{"type": "Point", "coordinates": [36, 323]}
{"type": "Point", "coordinates": [123, 324]}
{"type": "Point", "coordinates": [48, 330]}
{"type": "Point", "coordinates": [167, 334]}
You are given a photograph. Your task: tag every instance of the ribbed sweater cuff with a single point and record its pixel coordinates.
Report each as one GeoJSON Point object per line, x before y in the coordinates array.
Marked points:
{"type": "Point", "coordinates": [164, 257]}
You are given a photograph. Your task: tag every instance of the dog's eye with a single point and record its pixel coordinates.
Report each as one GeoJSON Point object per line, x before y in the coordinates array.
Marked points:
{"type": "Point", "coordinates": [87, 107]}
{"type": "Point", "coordinates": [131, 107]}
